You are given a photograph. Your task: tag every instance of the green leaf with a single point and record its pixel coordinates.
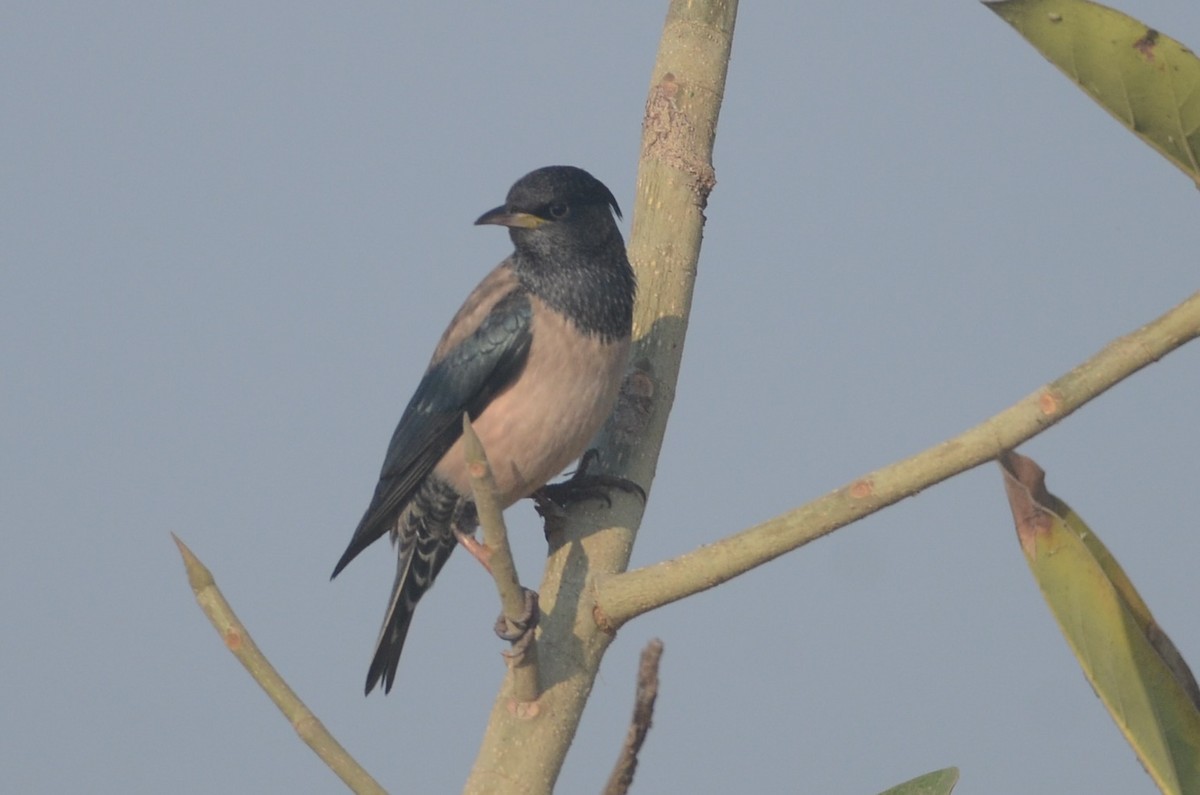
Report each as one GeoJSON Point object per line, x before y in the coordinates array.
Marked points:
{"type": "Point", "coordinates": [1132, 665]}
{"type": "Point", "coordinates": [1148, 81]}
{"type": "Point", "coordinates": [939, 782]}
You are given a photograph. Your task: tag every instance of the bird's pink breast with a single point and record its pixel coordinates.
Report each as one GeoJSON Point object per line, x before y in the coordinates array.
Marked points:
{"type": "Point", "coordinates": [545, 419]}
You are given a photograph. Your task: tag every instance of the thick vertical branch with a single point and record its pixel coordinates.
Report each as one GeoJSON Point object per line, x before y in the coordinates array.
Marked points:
{"type": "Point", "coordinates": [522, 753]}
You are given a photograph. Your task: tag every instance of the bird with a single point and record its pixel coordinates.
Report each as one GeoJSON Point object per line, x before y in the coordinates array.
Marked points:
{"type": "Point", "coordinates": [534, 356]}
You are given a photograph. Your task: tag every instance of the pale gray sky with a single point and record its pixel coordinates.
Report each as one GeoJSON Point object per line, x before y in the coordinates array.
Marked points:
{"type": "Point", "coordinates": [232, 232]}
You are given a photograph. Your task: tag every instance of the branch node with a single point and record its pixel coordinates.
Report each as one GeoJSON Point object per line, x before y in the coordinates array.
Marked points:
{"type": "Point", "coordinates": [862, 489]}
{"type": "Point", "coordinates": [523, 710]}
{"type": "Point", "coordinates": [603, 622]}
{"type": "Point", "coordinates": [1049, 402]}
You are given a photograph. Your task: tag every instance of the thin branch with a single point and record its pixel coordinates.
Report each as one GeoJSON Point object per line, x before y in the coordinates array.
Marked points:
{"type": "Point", "coordinates": [238, 641]}
{"type": "Point", "coordinates": [523, 658]}
{"type": "Point", "coordinates": [643, 713]}
{"type": "Point", "coordinates": [620, 597]}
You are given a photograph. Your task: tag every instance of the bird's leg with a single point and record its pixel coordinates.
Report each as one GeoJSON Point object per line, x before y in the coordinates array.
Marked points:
{"type": "Point", "coordinates": [481, 552]}
{"type": "Point", "coordinates": [553, 498]}
{"type": "Point", "coordinates": [519, 632]}
{"type": "Point", "coordinates": [463, 523]}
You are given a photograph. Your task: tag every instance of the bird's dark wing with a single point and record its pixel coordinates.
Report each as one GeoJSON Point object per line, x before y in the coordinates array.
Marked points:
{"type": "Point", "coordinates": [464, 379]}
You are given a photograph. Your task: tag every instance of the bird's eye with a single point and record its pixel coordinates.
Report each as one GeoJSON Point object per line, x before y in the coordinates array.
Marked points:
{"type": "Point", "coordinates": [558, 210]}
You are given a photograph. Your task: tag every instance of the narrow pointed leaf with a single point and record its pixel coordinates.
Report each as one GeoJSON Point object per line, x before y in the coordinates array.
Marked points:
{"type": "Point", "coordinates": [939, 782]}
{"type": "Point", "coordinates": [1145, 79]}
{"type": "Point", "coordinates": [1138, 609]}
{"type": "Point", "coordinates": [1130, 662]}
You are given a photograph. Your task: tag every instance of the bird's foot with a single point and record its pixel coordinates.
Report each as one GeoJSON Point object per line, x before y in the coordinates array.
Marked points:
{"type": "Point", "coordinates": [552, 499]}
{"type": "Point", "coordinates": [520, 631]}
{"type": "Point", "coordinates": [481, 552]}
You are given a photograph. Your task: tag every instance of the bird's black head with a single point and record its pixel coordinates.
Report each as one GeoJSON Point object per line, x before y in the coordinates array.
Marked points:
{"type": "Point", "coordinates": [569, 251]}
{"type": "Point", "coordinates": [556, 207]}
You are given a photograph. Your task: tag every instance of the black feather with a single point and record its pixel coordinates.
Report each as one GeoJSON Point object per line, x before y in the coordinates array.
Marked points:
{"type": "Point", "coordinates": [465, 380]}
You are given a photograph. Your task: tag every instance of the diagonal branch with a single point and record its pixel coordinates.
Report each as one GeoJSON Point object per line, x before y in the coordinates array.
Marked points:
{"type": "Point", "coordinates": [620, 597]}
{"type": "Point", "coordinates": [238, 641]}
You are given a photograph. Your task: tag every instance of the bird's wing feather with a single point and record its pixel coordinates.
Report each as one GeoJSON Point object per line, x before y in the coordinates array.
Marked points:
{"type": "Point", "coordinates": [464, 379]}
{"type": "Point", "coordinates": [418, 565]}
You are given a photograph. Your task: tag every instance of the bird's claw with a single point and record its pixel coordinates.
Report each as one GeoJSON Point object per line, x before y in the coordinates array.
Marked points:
{"type": "Point", "coordinates": [552, 499]}
{"type": "Point", "coordinates": [520, 631]}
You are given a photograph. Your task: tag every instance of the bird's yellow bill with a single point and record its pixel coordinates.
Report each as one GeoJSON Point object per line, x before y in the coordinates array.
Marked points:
{"type": "Point", "coordinates": [502, 217]}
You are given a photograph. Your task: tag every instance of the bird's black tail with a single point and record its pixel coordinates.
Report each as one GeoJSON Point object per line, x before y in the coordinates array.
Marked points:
{"type": "Point", "coordinates": [419, 563]}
